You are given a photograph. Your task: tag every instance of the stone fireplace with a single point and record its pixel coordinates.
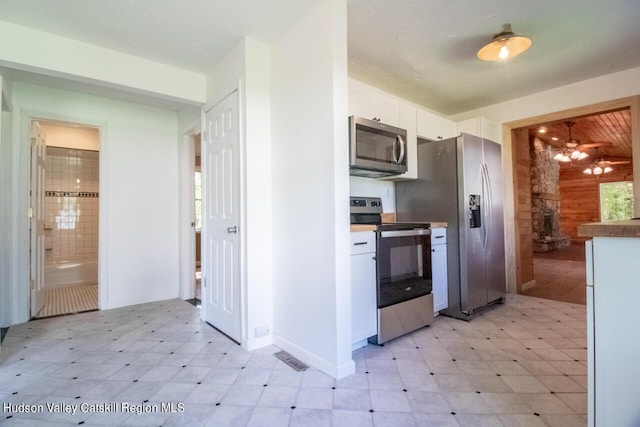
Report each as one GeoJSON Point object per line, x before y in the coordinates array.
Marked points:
{"type": "Point", "coordinates": [545, 199]}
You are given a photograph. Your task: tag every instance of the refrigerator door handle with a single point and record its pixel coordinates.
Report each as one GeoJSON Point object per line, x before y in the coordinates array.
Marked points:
{"type": "Point", "coordinates": [487, 202]}
{"type": "Point", "coordinates": [489, 208]}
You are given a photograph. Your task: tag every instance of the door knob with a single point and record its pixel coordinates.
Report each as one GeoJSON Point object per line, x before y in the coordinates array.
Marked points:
{"type": "Point", "coordinates": [232, 230]}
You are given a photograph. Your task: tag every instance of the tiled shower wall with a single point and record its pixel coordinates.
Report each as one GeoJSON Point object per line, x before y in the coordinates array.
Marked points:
{"type": "Point", "coordinates": [71, 205]}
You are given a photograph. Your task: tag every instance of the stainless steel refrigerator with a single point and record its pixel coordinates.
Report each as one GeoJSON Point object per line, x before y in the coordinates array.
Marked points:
{"type": "Point", "coordinates": [460, 182]}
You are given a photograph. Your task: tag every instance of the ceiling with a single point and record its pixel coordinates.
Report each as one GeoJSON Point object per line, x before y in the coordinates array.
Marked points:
{"type": "Point", "coordinates": [421, 50]}
{"type": "Point", "coordinates": [610, 130]}
{"type": "Point", "coordinates": [425, 51]}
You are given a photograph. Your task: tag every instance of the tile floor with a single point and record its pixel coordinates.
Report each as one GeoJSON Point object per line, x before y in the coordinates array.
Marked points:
{"type": "Point", "coordinates": [519, 364]}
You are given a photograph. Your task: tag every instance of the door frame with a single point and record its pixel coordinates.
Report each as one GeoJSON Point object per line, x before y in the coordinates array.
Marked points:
{"type": "Point", "coordinates": [27, 117]}
{"type": "Point", "coordinates": [514, 284]}
{"type": "Point", "coordinates": [187, 259]}
{"type": "Point", "coordinates": [37, 207]}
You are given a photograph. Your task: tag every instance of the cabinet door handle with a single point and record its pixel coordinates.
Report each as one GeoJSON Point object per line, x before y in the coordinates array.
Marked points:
{"type": "Point", "coordinates": [360, 243]}
{"type": "Point", "coordinates": [439, 237]}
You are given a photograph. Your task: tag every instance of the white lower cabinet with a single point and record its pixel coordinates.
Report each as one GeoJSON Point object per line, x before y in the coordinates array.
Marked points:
{"type": "Point", "coordinates": [612, 331]}
{"type": "Point", "coordinates": [364, 322]}
{"type": "Point", "coordinates": [439, 269]}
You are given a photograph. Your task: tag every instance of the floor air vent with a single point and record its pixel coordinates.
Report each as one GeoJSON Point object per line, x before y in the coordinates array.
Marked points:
{"type": "Point", "coordinates": [290, 360]}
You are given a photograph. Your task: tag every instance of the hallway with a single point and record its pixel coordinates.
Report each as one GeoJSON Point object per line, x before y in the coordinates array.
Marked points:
{"type": "Point", "coordinates": [560, 275]}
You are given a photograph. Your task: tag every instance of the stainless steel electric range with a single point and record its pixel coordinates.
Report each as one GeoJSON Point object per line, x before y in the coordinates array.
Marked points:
{"type": "Point", "coordinates": [403, 270]}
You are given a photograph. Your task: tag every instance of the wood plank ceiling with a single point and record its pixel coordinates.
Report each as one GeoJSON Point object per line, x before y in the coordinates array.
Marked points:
{"type": "Point", "coordinates": [612, 129]}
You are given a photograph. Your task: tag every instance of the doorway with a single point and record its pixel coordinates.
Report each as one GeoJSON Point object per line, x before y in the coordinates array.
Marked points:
{"type": "Point", "coordinates": [554, 195]}
{"type": "Point", "coordinates": [65, 220]}
{"type": "Point", "coordinates": [197, 222]}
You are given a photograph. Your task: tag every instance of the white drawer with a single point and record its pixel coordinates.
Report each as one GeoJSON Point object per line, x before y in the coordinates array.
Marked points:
{"type": "Point", "coordinates": [363, 242]}
{"type": "Point", "coordinates": [438, 236]}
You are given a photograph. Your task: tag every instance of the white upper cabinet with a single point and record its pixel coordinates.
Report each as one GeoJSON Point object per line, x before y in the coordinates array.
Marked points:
{"type": "Point", "coordinates": [373, 105]}
{"type": "Point", "coordinates": [482, 127]}
{"type": "Point", "coordinates": [434, 127]}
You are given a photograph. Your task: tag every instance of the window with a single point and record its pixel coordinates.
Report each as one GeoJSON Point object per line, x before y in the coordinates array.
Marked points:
{"type": "Point", "coordinates": [198, 200]}
{"type": "Point", "coordinates": [616, 200]}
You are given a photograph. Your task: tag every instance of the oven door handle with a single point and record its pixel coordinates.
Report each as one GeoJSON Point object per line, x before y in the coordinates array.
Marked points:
{"type": "Point", "coordinates": [406, 233]}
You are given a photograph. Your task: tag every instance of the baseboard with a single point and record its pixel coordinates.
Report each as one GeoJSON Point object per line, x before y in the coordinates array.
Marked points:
{"type": "Point", "coordinates": [359, 344]}
{"type": "Point", "coordinates": [256, 343]}
{"type": "Point", "coordinates": [312, 359]}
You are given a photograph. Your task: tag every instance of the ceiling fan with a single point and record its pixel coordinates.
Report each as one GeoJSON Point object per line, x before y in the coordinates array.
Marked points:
{"type": "Point", "coordinates": [573, 148]}
{"type": "Point", "coordinates": [601, 166]}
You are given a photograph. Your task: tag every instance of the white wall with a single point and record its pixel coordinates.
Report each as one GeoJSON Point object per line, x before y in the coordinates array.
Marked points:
{"type": "Point", "coordinates": [258, 244]}
{"type": "Point", "coordinates": [246, 69]}
{"type": "Point", "coordinates": [370, 187]}
{"type": "Point", "coordinates": [8, 235]}
{"type": "Point", "coordinates": [5, 228]}
{"type": "Point", "coordinates": [58, 56]}
{"type": "Point", "coordinates": [139, 192]}
{"type": "Point", "coordinates": [310, 190]}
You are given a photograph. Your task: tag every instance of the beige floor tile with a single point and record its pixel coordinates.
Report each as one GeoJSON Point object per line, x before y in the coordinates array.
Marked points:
{"type": "Point", "coordinates": [524, 384]}
{"type": "Point", "coordinates": [521, 421]}
{"type": "Point", "coordinates": [507, 403]}
{"type": "Point", "coordinates": [577, 401]}
{"type": "Point", "coordinates": [488, 383]}
{"type": "Point", "coordinates": [565, 420]}
{"type": "Point", "coordinates": [467, 403]}
{"type": "Point", "coordinates": [560, 384]}
{"type": "Point", "coordinates": [547, 403]}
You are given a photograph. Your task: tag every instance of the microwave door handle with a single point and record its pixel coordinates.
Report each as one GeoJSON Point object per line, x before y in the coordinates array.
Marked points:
{"type": "Point", "coordinates": [402, 149]}
{"type": "Point", "coordinates": [394, 151]}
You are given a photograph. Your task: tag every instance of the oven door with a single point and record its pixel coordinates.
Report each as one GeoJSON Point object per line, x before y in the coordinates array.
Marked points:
{"type": "Point", "coordinates": [403, 265]}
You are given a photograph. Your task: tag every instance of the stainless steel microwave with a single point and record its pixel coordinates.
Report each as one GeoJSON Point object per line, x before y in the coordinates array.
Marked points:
{"type": "Point", "coordinates": [376, 149]}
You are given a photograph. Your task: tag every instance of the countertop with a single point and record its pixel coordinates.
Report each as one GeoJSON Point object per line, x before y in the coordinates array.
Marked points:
{"type": "Point", "coordinates": [624, 228]}
{"type": "Point", "coordinates": [367, 227]}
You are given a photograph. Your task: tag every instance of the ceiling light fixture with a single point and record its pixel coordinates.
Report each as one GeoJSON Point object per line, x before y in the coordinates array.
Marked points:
{"type": "Point", "coordinates": [504, 45]}
{"type": "Point", "coordinates": [571, 152]}
{"type": "Point", "coordinates": [597, 169]}
{"type": "Point", "coordinates": [563, 156]}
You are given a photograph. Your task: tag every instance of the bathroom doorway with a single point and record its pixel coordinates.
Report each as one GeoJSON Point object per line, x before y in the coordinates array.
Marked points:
{"type": "Point", "coordinates": [68, 269]}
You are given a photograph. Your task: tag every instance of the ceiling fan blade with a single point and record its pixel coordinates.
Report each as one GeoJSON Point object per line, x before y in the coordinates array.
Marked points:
{"type": "Point", "coordinates": [595, 144]}
{"type": "Point", "coordinates": [619, 162]}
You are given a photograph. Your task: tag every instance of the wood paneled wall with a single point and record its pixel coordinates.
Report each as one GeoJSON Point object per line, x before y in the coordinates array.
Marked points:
{"type": "Point", "coordinates": [522, 187]}
{"type": "Point", "coordinates": [580, 196]}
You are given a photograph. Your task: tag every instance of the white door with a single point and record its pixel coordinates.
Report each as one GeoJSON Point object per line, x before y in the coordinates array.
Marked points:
{"type": "Point", "coordinates": [221, 218]}
{"type": "Point", "coordinates": [36, 276]}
